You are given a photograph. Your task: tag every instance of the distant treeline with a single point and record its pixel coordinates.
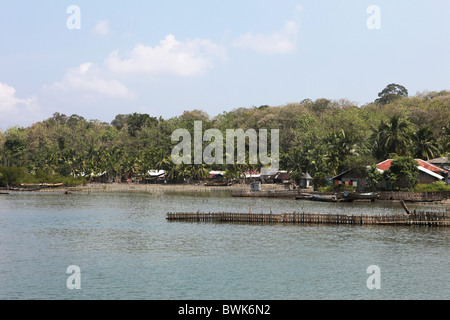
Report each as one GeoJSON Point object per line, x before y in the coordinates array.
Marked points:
{"type": "Point", "coordinates": [321, 137]}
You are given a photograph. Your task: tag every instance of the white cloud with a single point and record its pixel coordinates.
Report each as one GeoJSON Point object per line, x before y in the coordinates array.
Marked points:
{"type": "Point", "coordinates": [102, 28]}
{"type": "Point", "coordinates": [283, 41]}
{"type": "Point", "coordinates": [182, 58]}
{"type": "Point", "coordinates": [16, 110]}
{"type": "Point", "coordinates": [8, 98]}
{"type": "Point", "coordinates": [88, 79]}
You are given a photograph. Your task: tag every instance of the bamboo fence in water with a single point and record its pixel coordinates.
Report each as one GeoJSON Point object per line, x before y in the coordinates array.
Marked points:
{"type": "Point", "coordinates": [420, 218]}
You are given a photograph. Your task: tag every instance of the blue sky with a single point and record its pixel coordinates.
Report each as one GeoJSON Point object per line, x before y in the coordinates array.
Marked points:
{"type": "Point", "coordinates": [164, 57]}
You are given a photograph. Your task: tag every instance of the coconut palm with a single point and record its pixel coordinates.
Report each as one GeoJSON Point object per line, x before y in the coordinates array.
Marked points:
{"type": "Point", "coordinates": [294, 161]}
{"type": "Point", "coordinates": [424, 144]}
{"type": "Point", "coordinates": [199, 172]}
{"type": "Point", "coordinates": [341, 145]}
{"type": "Point", "coordinates": [164, 163]}
{"type": "Point", "coordinates": [391, 137]}
{"type": "Point", "coordinates": [445, 143]}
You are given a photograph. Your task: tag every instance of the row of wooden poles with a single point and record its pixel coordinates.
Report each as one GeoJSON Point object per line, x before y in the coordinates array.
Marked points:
{"type": "Point", "coordinates": [414, 219]}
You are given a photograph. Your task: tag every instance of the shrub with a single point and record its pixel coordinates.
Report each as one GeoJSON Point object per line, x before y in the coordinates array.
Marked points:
{"type": "Point", "coordinates": [14, 176]}
{"type": "Point", "coordinates": [403, 173]}
{"type": "Point", "coordinates": [335, 189]}
{"type": "Point", "coordinates": [437, 186]}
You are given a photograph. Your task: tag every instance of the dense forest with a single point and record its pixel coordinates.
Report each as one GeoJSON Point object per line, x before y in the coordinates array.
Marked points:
{"type": "Point", "coordinates": [321, 137]}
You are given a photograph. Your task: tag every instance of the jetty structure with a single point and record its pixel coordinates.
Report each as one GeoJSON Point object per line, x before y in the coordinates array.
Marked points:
{"type": "Point", "coordinates": [415, 218]}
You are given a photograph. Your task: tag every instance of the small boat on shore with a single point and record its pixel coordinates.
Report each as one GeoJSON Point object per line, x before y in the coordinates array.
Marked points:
{"type": "Point", "coordinates": [316, 197]}
{"type": "Point", "coordinates": [372, 196]}
{"type": "Point", "coordinates": [319, 198]}
{"type": "Point", "coordinates": [217, 184]}
{"type": "Point", "coordinates": [301, 197]}
{"type": "Point", "coordinates": [42, 185]}
{"type": "Point", "coordinates": [27, 189]}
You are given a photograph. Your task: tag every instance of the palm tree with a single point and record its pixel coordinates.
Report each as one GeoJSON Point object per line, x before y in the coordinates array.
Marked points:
{"type": "Point", "coordinates": [172, 173]}
{"type": "Point", "coordinates": [294, 163]}
{"type": "Point", "coordinates": [235, 171]}
{"type": "Point", "coordinates": [391, 137]}
{"type": "Point", "coordinates": [425, 144]}
{"type": "Point", "coordinates": [164, 163]}
{"type": "Point", "coordinates": [199, 172]}
{"type": "Point", "coordinates": [183, 171]}
{"type": "Point", "coordinates": [341, 145]}
{"type": "Point", "coordinates": [445, 143]}
{"type": "Point", "coordinates": [377, 146]}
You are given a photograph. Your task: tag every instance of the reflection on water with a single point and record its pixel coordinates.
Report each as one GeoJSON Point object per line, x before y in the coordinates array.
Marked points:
{"type": "Point", "coordinates": [127, 250]}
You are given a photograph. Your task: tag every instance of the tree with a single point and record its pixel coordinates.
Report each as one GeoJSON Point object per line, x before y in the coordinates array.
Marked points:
{"type": "Point", "coordinates": [199, 172]}
{"type": "Point", "coordinates": [15, 146]}
{"type": "Point", "coordinates": [403, 173]}
{"type": "Point", "coordinates": [327, 136]}
{"type": "Point", "coordinates": [119, 121]}
{"type": "Point", "coordinates": [319, 180]}
{"type": "Point", "coordinates": [373, 176]}
{"type": "Point", "coordinates": [390, 93]}
{"type": "Point", "coordinates": [445, 143]}
{"type": "Point", "coordinates": [137, 121]}
{"type": "Point", "coordinates": [293, 162]}
{"type": "Point", "coordinates": [390, 137]}
{"type": "Point", "coordinates": [342, 145]}
{"type": "Point", "coordinates": [424, 144]}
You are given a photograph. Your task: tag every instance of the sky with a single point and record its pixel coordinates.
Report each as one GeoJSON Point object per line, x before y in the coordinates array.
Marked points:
{"type": "Point", "coordinates": [101, 58]}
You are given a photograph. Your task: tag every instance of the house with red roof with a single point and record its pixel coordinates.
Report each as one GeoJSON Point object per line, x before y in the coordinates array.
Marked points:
{"type": "Point", "coordinates": [428, 172]}
{"type": "Point", "coordinates": [357, 177]}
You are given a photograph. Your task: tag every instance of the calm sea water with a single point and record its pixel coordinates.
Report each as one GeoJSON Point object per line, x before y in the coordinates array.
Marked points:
{"type": "Point", "coordinates": [126, 249]}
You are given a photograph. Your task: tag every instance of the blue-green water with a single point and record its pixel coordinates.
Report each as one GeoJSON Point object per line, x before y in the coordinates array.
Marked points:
{"type": "Point", "coordinates": [126, 249]}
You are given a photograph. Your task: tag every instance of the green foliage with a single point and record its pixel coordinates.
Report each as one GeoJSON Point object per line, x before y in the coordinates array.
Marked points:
{"type": "Point", "coordinates": [425, 144]}
{"type": "Point", "coordinates": [390, 137]}
{"type": "Point", "coordinates": [322, 136]}
{"type": "Point", "coordinates": [438, 186]}
{"type": "Point", "coordinates": [373, 176]}
{"type": "Point", "coordinates": [10, 176]}
{"type": "Point", "coordinates": [445, 140]}
{"type": "Point", "coordinates": [319, 180]}
{"type": "Point", "coordinates": [390, 93]}
{"type": "Point", "coordinates": [15, 176]}
{"type": "Point", "coordinates": [336, 189]}
{"type": "Point", "coordinates": [403, 173]}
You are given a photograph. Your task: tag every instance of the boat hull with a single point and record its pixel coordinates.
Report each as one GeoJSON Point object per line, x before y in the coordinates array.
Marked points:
{"type": "Point", "coordinates": [361, 196]}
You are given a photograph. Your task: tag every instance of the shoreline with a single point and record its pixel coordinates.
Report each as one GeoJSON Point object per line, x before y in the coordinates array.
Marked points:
{"type": "Point", "coordinates": [135, 187]}
{"type": "Point", "coordinates": [272, 189]}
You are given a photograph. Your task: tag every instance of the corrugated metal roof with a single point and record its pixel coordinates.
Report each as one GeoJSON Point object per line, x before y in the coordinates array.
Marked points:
{"type": "Point", "coordinates": [438, 160]}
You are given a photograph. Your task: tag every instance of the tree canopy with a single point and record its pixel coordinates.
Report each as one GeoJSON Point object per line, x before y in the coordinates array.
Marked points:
{"type": "Point", "coordinates": [322, 136]}
{"type": "Point", "coordinates": [392, 92]}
